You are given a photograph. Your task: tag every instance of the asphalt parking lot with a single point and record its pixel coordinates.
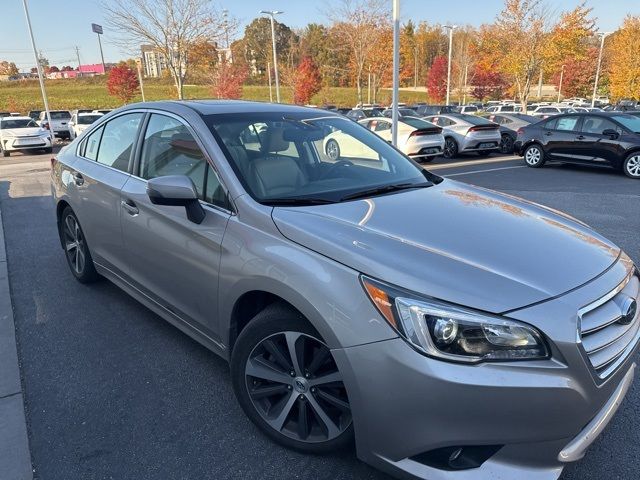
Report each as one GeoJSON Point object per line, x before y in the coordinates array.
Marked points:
{"type": "Point", "coordinates": [113, 391]}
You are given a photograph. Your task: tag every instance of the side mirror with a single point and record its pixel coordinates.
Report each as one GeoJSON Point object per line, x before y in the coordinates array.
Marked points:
{"type": "Point", "coordinates": [177, 191]}
{"type": "Point", "coordinates": [610, 132]}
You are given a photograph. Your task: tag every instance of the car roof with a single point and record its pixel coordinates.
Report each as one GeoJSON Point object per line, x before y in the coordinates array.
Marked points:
{"type": "Point", "coordinates": [213, 107]}
{"type": "Point", "coordinates": [89, 114]}
{"type": "Point", "coordinates": [21, 117]}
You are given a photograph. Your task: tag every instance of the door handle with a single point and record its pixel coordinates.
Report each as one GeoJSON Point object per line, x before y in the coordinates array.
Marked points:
{"type": "Point", "coordinates": [548, 134]}
{"type": "Point", "coordinates": [130, 207]}
{"type": "Point", "coordinates": [77, 178]}
{"type": "Point", "coordinates": [580, 137]}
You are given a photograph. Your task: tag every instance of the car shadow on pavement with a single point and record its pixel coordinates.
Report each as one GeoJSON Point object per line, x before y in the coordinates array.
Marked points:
{"type": "Point", "coordinates": [114, 391]}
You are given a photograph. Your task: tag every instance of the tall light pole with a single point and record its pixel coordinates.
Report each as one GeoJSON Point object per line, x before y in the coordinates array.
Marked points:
{"type": "Point", "coordinates": [560, 86]}
{"type": "Point", "coordinates": [39, 67]}
{"type": "Point", "coordinates": [603, 35]}
{"type": "Point", "coordinates": [272, 14]}
{"type": "Point", "coordinates": [450, 28]}
{"type": "Point", "coordinates": [396, 75]}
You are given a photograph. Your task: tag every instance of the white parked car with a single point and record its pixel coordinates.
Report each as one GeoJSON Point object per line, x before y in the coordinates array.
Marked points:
{"type": "Point", "coordinates": [417, 139]}
{"type": "Point", "coordinates": [510, 108]}
{"type": "Point", "coordinates": [544, 112]}
{"type": "Point", "coordinates": [60, 120]}
{"type": "Point", "coordinates": [80, 121]}
{"type": "Point", "coordinates": [23, 133]}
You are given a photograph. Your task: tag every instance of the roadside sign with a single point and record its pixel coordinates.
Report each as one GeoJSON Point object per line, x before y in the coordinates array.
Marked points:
{"type": "Point", "coordinates": [96, 28]}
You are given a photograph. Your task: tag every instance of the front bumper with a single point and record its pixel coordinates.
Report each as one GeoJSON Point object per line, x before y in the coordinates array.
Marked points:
{"type": "Point", "coordinates": [13, 144]}
{"type": "Point", "coordinates": [543, 414]}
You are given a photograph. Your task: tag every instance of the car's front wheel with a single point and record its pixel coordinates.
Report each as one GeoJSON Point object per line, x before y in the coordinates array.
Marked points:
{"type": "Point", "coordinates": [631, 165]}
{"type": "Point", "coordinates": [288, 384]}
{"type": "Point", "coordinates": [76, 249]}
{"type": "Point", "coordinates": [506, 144]}
{"type": "Point", "coordinates": [534, 156]}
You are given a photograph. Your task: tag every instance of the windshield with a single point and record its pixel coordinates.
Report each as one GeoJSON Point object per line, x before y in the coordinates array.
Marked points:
{"type": "Point", "coordinates": [87, 119]}
{"type": "Point", "coordinates": [292, 156]}
{"type": "Point", "coordinates": [60, 115]}
{"type": "Point", "coordinates": [19, 123]}
{"type": "Point", "coordinates": [629, 121]}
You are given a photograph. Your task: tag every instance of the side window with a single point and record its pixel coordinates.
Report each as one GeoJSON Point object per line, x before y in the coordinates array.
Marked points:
{"type": "Point", "coordinates": [551, 124]}
{"type": "Point", "coordinates": [118, 138]}
{"type": "Point", "coordinates": [91, 144]}
{"type": "Point", "coordinates": [169, 149]}
{"type": "Point", "coordinates": [597, 125]}
{"type": "Point", "coordinates": [382, 126]}
{"type": "Point", "coordinates": [567, 123]}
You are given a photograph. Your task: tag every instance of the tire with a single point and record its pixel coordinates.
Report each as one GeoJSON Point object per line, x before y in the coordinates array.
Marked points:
{"type": "Point", "coordinates": [631, 165]}
{"type": "Point", "coordinates": [450, 148]}
{"type": "Point", "coordinates": [48, 150]}
{"type": "Point", "coordinates": [76, 249]}
{"type": "Point", "coordinates": [332, 149]}
{"type": "Point", "coordinates": [5, 153]}
{"type": "Point", "coordinates": [506, 144]}
{"type": "Point", "coordinates": [534, 156]}
{"type": "Point", "coordinates": [263, 349]}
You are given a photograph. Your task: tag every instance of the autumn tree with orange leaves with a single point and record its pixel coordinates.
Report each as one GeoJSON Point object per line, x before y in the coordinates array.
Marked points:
{"type": "Point", "coordinates": [227, 80]}
{"type": "Point", "coordinates": [307, 81]}
{"type": "Point", "coordinates": [624, 64]}
{"type": "Point", "coordinates": [123, 82]}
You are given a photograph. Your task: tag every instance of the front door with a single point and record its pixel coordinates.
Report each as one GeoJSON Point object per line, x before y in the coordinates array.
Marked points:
{"type": "Point", "coordinates": [560, 139]}
{"type": "Point", "coordinates": [171, 259]}
{"type": "Point", "coordinates": [595, 147]}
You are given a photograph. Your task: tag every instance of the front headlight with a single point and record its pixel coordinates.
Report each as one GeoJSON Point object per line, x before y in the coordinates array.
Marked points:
{"type": "Point", "coordinates": [454, 333]}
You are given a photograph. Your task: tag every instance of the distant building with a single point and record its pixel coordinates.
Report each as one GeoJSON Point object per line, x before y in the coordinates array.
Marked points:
{"type": "Point", "coordinates": [92, 69]}
{"type": "Point", "coordinates": [153, 61]}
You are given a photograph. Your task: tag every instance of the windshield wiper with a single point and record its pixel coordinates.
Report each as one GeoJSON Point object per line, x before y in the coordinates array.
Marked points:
{"type": "Point", "coordinates": [296, 201]}
{"type": "Point", "coordinates": [394, 187]}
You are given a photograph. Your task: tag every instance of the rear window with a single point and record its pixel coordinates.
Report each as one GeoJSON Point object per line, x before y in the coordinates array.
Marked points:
{"type": "Point", "coordinates": [417, 123]}
{"type": "Point", "coordinates": [475, 120]}
{"type": "Point", "coordinates": [60, 115]}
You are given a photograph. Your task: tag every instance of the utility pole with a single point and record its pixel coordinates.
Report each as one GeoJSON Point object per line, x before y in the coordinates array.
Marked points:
{"type": "Point", "coordinates": [78, 57]}
{"type": "Point", "coordinates": [466, 74]}
{"type": "Point", "coordinates": [139, 67]}
{"type": "Point", "coordinates": [450, 28]}
{"type": "Point", "coordinates": [269, 74]}
{"type": "Point", "coordinates": [540, 86]}
{"type": "Point", "coordinates": [97, 29]}
{"type": "Point", "coordinates": [39, 67]}
{"type": "Point", "coordinates": [560, 86]}
{"type": "Point", "coordinates": [272, 14]}
{"type": "Point", "coordinates": [396, 72]}
{"type": "Point", "coordinates": [225, 14]}
{"type": "Point", "coordinates": [369, 87]}
{"type": "Point", "coordinates": [415, 67]}
{"type": "Point", "coordinates": [603, 35]}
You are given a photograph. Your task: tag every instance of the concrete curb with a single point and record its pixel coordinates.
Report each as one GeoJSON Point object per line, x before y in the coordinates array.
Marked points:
{"type": "Point", "coordinates": [15, 458]}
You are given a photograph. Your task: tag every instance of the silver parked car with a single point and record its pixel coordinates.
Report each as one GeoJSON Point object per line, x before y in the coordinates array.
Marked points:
{"type": "Point", "coordinates": [467, 133]}
{"type": "Point", "coordinates": [347, 295]}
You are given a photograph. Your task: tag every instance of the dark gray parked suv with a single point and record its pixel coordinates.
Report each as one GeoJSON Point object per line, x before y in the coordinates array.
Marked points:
{"type": "Point", "coordinates": [346, 293]}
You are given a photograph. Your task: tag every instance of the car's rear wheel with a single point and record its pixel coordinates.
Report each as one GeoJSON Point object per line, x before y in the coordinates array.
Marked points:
{"type": "Point", "coordinates": [534, 156]}
{"type": "Point", "coordinates": [450, 148]}
{"type": "Point", "coordinates": [506, 144]}
{"type": "Point", "coordinates": [631, 165]}
{"type": "Point", "coordinates": [332, 149]}
{"type": "Point", "coordinates": [288, 383]}
{"type": "Point", "coordinates": [76, 249]}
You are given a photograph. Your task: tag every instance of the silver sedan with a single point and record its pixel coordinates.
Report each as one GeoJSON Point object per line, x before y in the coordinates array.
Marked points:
{"type": "Point", "coordinates": [467, 133]}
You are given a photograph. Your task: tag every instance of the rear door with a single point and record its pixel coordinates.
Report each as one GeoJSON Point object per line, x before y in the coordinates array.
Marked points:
{"type": "Point", "coordinates": [102, 168]}
{"type": "Point", "coordinates": [173, 260]}
{"type": "Point", "coordinates": [560, 138]}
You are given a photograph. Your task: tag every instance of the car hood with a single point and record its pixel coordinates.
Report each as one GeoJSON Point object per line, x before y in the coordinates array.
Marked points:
{"type": "Point", "coordinates": [455, 242]}
{"type": "Point", "coordinates": [23, 132]}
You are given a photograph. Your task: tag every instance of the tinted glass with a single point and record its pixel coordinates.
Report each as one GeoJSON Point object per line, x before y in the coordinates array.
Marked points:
{"type": "Point", "coordinates": [551, 124]}
{"type": "Point", "coordinates": [381, 126]}
{"type": "Point", "coordinates": [475, 120]}
{"type": "Point", "coordinates": [87, 119]}
{"type": "Point", "coordinates": [59, 115]}
{"type": "Point", "coordinates": [333, 157]}
{"type": "Point", "coordinates": [117, 141]}
{"type": "Point", "coordinates": [597, 125]}
{"type": "Point", "coordinates": [20, 123]}
{"type": "Point", "coordinates": [629, 121]}
{"type": "Point", "coordinates": [567, 123]}
{"type": "Point", "coordinates": [92, 143]}
{"type": "Point", "coordinates": [169, 149]}
{"type": "Point", "coordinates": [417, 123]}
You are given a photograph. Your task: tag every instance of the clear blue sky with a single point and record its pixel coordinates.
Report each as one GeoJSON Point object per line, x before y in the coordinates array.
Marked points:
{"type": "Point", "coordinates": [61, 25]}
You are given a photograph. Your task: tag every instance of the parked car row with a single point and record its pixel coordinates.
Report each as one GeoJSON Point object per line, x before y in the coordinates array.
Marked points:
{"type": "Point", "coordinates": [23, 133]}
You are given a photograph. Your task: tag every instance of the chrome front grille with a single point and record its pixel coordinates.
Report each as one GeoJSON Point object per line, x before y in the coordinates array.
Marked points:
{"type": "Point", "coordinates": [606, 335]}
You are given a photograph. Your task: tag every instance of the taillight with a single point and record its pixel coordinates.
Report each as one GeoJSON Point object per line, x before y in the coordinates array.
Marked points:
{"type": "Point", "coordinates": [520, 131]}
{"type": "Point", "coordinates": [425, 131]}
{"type": "Point", "coordinates": [479, 128]}
{"type": "Point", "coordinates": [54, 160]}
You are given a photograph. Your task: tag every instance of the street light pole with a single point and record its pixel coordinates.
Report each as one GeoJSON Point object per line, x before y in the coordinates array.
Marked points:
{"type": "Point", "coordinates": [272, 14]}
{"type": "Point", "coordinates": [603, 35]}
{"type": "Point", "coordinates": [269, 74]}
{"type": "Point", "coordinates": [450, 28]}
{"type": "Point", "coordinates": [396, 75]}
{"type": "Point", "coordinates": [39, 67]}
{"type": "Point", "coordinates": [560, 86]}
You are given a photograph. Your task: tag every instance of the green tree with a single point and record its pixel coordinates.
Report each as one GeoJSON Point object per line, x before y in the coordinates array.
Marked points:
{"type": "Point", "coordinates": [258, 44]}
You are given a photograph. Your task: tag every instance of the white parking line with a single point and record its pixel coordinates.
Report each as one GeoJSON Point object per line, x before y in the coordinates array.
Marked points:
{"type": "Point", "coordinates": [482, 171]}
{"type": "Point", "coordinates": [473, 162]}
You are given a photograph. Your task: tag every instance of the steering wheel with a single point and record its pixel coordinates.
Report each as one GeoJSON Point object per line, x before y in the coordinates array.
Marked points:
{"type": "Point", "coordinates": [339, 164]}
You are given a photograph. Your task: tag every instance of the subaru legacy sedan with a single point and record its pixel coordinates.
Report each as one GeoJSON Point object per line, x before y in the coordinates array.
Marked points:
{"type": "Point", "coordinates": [345, 293]}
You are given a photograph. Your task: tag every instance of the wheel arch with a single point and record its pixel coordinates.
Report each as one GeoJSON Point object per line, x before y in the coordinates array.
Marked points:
{"type": "Point", "coordinates": [60, 207]}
